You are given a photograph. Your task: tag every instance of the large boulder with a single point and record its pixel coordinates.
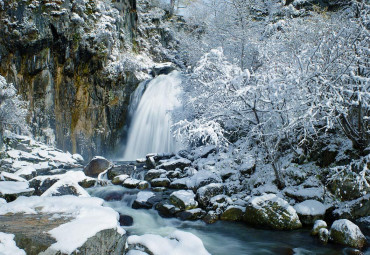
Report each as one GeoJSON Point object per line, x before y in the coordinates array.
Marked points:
{"type": "Point", "coordinates": [347, 233]}
{"type": "Point", "coordinates": [233, 213]}
{"type": "Point", "coordinates": [270, 211]}
{"type": "Point", "coordinates": [62, 225]}
{"type": "Point", "coordinates": [309, 211]}
{"type": "Point", "coordinates": [173, 164]}
{"type": "Point", "coordinates": [10, 190]}
{"type": "Point", "coordinates": [96, 166]}
{"type": "Point", "coordinates": [184, 199]}
{"type": "Point", "coordinates": [204, 194]}
{"type": "Point", "coordinates": [120, 170]}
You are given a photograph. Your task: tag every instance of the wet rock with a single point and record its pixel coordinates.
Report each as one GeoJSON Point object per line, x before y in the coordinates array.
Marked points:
{"type": "Point", "coordinates": [143, 185]}
{"type": "Point", "coordinates": [173, 164]}
{"type": "Point", "coordinates": [204, 194]}
{"type": "Point", "coordinates": [131, 183]}
{"type": "Point", "coordinates": [160, 182]}
{"type": "Point", "coordinates": [309, 211]}
{"type": "Point", "coordinates": [126, 220]}
{"type": "Point", "coordinates": [145, 199]}
{"type": "Point", "coordinates": [120, 170]}
{"type": "Point", "coordinates": [162, 68]}
{"type": "Point", "coordinates": [174, 174]}
{"type": "Point", "coordinates": [192, 214]}
{"type": "Point", "coordinates": [154, 173]}
{"type": "Point", "coordinates": [166, 210]}
{"type": "Point", "coordinates": [319, 224]}
{"type": "Point", "coordinates": [347, 233]}
{"type": "Point", "coordinates": [211, 217]}
{"type": "Point", "coordinates": [87, 183]}
{"type": "Point", "coordinates": [96, 166]}
{"type": "Point", "coordinates": [150, 162]}
{"type": "Point", "coordinates": [233, 213]}
{"type": "Point", "coordinates": [183, 199]}
{"type": "Point", "coordinates": [323, 235]}
{"type": "Point", "coordinates": [270, 211]}
{"type": "Point", "coordinates": [117, 180]}
{"type": "Point", "coordinates": [178, 185]}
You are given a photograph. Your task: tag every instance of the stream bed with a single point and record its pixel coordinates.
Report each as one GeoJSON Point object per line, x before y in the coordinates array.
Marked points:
{"type": "Point", "coordinates": [220, 238]}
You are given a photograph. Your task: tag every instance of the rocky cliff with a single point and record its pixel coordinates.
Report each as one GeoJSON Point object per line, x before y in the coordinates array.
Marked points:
{"type": "Point", "coordinates": [62, 57]}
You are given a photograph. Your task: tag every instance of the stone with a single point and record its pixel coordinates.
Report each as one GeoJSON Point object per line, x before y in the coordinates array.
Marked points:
{"type": "Point", "coordinates": [183, 199]}
{"type": "Point", "coordinates": [233, 213]}
{"type": "Point", "coordinates": [118, 180]}
{"type": "Point", "coordinates": [270, 211]}
{"type": "Point", "coordinates": [352, 209]}
{"type": "Point", "coordinates": [192, 214]}
{"type": "Point", "coordinates": [96, 166]}
{"type": "Point", "coordinates": [154, 173]}
{"type": "Point", "coordinates": [347, 188]}
{"type": "Point", "coordinates": [173, 164]}
{"type": "Point", "coordinates": [166, 210]}
{"type": "Point", "coordinates": [323, 235]}
{"type": "Point", "coordinates": [131, 183]}
{"type": "Point", "coordinates": [87, 183]}
{"type": "Point", "coordinates": [211, 217]}
{"type": "Point", "coordinates": [10, 190]}
{"type": "Point", "coordinates": [204, 194]}
{"type": "Point", "coordinates": [178, 185]}
{"type": "Point", "coordinates": [347, 233]}
{"type": "Point", "coordinates": [143, 185]}
{"type": "Point", "coordinates": [301, 194]}
{"type": "Point", "coordinates": [319, 224]}
{"type": "Point", "coordinates": [150, 162]}
{"type": "Point", "coordinates": [160, 182]}
{"type": "Point", "coordinates": [120, 170]}
{"type": "Point", "coordinates": [309, 211]}
{"type": "Point", "coordinates": [126, 220]}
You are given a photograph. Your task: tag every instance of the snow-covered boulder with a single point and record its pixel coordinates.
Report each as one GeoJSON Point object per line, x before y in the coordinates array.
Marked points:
{"type": "Point", "coordinates": [160, 182]}
{"type": "Point", "coordinates": [353, 209]}
{"type": "Point", "coordinates": [309, 211]}
{"type": "Point", "coordinates": [173, 164]}
{"type": "Point", "coordinates": [96, 166]}
{"type": "Point", "coordinates": [204, 194]}
{"type": "Point", "coordinates": [5, 176]}
{"type": "Point", "coordinates": [165, 209]}
{"type": "Point", "coordinates": [271, 211]}
{"type": "Point", "coordinates": [192, 214]}
{"type": "Point", "coordinates": [63, 225]}
{"type": "Point", "coordinates": [117, 180]}
{"type": "Point", "coordinates": [131, 183]}
{"type": "Point", "coordinates": [199, 179]}
{"type": "Point", "coordinates": [319, 224]}
{"type": "Point", "coordinates": [154, 173]}
{"type": "Point", "coordinates": [179, 243]}
{"type": "Point", "coordinates": [347, 233]}
{"type": "Point", "coordinates": [324, 235]}
{"type": "Point", "coordinates": [43, 183]}
{"type": "Point", "coordinates": [233, 213]}
{"type": "Point", "coordinates": [184, 199]}
{"type": "Point", "coordinates": [211, 217]}
{"type": "Point", "coordinates": [120, 170]}
{"type": "Point", "coordinates": [301, 194]}
{"type": "Point", "coordinates": [10, 190]}
{"type": "Point", "coordinates": [145, 199]}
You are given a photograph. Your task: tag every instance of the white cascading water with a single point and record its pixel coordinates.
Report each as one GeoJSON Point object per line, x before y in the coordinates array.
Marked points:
{"type": "Point", "coordinates": [150, 128]}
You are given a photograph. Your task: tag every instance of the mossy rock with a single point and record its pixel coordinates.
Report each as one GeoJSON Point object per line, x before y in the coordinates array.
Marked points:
{"type": "Point", "coordinates": [347, 233]}
{"type": "Point", "coordinates": [233, 213]}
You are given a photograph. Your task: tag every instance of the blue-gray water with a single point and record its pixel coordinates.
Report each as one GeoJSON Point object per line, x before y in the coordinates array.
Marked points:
{"type": "Point", "coordinates": [221, 238]}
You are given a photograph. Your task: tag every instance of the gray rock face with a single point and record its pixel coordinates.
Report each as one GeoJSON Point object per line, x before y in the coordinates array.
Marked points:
{"type": "Point", "coordinates": [96, 166]}
{"type": "Point", "coordinates": [59, 61]}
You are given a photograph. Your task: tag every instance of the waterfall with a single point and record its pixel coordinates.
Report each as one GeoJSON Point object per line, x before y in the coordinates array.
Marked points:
{"type": "Point", "coordinates": [150, 127]}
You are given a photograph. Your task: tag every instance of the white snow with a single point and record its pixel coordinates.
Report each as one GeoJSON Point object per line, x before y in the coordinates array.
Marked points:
{"type": "Point", "coordinates": [259, 201]}
{"type": "Point", "coordinates": [178, 243]}
{"type": "Point", "coordinates": [2, 201]}
{"type": "Point", "coordinates": [8, 246]}
{"type": "Point", "coordinates": [351, 230]}
{"type": "Point", "coordinates": [90, 217]}
{"type": "Point", "coordinates": [14, 177]}
{"type": "Point", "coordinates": [310, 207]}
{"type": "Point", "coordinates": [186, 196]}
{"type": "Point", "coordinates": [198, 178]}
{"type": "Point", "coordinates": [10, 187]}
{"type": "Point", "coordinates": [143, 196]}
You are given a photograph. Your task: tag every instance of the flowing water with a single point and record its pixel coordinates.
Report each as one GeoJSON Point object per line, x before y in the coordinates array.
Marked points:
{"type": "Point", "coordinates": [220, 238]}
{"type": "Point", "coordinates": [150, 125]}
